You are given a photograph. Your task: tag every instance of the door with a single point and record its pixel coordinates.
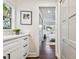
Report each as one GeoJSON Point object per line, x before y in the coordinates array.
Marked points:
{"type": "Point", "coordinates": [68, 29]}
{"type": "Point", "coordinates": [64, 29]}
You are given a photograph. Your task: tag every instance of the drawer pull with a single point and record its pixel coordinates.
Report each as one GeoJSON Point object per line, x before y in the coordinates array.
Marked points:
{"type": "Point", "coordinates": [25, 54]}
{"type": "Point", "coordinates": [25, 38]}
{"type": "Point", "coordinates": [8, 56]}
{"type": "Point", "coordinates": [4, 57]}
{"type": "Point", "coordinates": [25, 45]}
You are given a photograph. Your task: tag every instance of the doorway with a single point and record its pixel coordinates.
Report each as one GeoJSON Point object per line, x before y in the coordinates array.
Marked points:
{"type": "Point", "coordinates": [47, 18]}
{"type": "Point", "coordinates": [47, 25]}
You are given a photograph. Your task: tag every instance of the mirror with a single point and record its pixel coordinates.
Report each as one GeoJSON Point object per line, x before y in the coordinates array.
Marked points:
{"type": "Point", "coordinates": [7, 16]}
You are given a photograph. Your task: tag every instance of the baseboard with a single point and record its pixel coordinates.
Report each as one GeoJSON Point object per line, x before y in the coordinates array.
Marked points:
{"type": "Point", "coordinates": [62, 57]}
{"type": "Point", "coordinates": [32, 57]}
{"type": "Point", "coordinates": [32, 54]}
{"type": "Point", "coordinates": [57, 56]}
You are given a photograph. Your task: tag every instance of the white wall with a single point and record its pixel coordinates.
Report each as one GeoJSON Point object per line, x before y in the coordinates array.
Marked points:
{"type": "Point", "coordinates": [31, 5]}
{"type": "Point", "coordinates": [58, 31]}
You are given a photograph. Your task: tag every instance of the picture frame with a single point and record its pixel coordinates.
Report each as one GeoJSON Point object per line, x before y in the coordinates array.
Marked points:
{"type": "Point", "coordinates": [26, 17]}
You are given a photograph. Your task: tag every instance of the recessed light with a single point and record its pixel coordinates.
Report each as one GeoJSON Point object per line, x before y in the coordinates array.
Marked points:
{"type": "Point", "coordinates": [49, 11]}
{"type": "Point", "coordinates": [40, 26]}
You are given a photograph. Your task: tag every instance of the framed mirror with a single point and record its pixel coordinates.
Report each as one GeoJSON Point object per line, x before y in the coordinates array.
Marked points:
{"type": "Point", "coordinates": [7, 16]}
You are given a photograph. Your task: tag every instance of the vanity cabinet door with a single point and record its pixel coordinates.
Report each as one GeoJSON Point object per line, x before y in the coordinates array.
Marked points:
{"type": "Point", "coordinates": [5, 56]}
{"type": "Point", "coordinates": [11, 49]}
{"type": "Point", "coordinates": [16, 48]}
{"type": "Point", "coordinates": [14, 54]}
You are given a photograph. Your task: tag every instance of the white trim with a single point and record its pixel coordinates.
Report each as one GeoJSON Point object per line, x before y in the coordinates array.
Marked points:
{"type": "Point", "coordinates": [58, 31]}
{"type": "Point", "coordinates": [57, 56]}
{"type": "Point", "coordinates": [55, 21]}
{"type": "Point", "coordinates": [32, 54]}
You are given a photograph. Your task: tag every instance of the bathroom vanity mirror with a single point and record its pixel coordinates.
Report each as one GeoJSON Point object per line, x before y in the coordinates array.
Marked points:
{"type": "Point", "coordinates": [8, 15]}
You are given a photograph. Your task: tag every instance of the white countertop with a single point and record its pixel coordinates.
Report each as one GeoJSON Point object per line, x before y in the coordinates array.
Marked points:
{"type": "Point", "coordinates": [8, 37]}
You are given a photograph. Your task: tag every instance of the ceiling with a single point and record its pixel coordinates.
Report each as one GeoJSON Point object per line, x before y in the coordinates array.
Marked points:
{"type": "Point", "coordinates": [48, 15]}
{"type": "Point", "coordinates": [49, 0]}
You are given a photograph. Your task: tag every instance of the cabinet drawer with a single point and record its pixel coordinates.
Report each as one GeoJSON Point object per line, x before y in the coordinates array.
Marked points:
{"type": "Point", "coordinates": [25, 38]}
{"type": "Point", "coordinates": [24, 41]}
{"type": "Point", "coordinates": [25, 55]}
{"type": "Point", "coordinates": [24, 52]}
{"type": "Point", "coordinates": [26, 45]}
{"type": "Point", "coordinates": [10, 46]}
{"type": "Point", "coordinates": [11, 42]}
{"type": "Point", "coordinates": [25, 49]}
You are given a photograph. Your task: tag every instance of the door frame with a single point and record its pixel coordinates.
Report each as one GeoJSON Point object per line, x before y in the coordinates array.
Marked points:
{"type": "Point", "coordinates": [57, 47]}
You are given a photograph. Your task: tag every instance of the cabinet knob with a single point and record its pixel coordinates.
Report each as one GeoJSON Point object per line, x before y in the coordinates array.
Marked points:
{"type": "Point", "coordinates": [25, 45]}
{"type": "Point", "coordinates": [25, 38]}
{"type": "Point", "coordinates": [9, 56]}
{"type": "Point", "coordinates": [25, 54]}
{"type": "Point", "coordinates": [4, 57]}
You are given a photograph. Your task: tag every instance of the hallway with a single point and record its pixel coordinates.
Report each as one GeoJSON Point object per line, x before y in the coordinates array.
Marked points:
{"type": "Point", "coordinates": [46, 52]}
{"type": "Point", "coordinates": [26, 23]}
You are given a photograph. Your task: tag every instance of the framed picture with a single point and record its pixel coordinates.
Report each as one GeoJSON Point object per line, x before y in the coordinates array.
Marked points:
{"type": "Point", "coordinates": [26, 17]}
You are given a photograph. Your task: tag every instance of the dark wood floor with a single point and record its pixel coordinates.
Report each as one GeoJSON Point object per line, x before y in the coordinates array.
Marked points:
{"type": "Point", "coordinates": [46, 52]}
